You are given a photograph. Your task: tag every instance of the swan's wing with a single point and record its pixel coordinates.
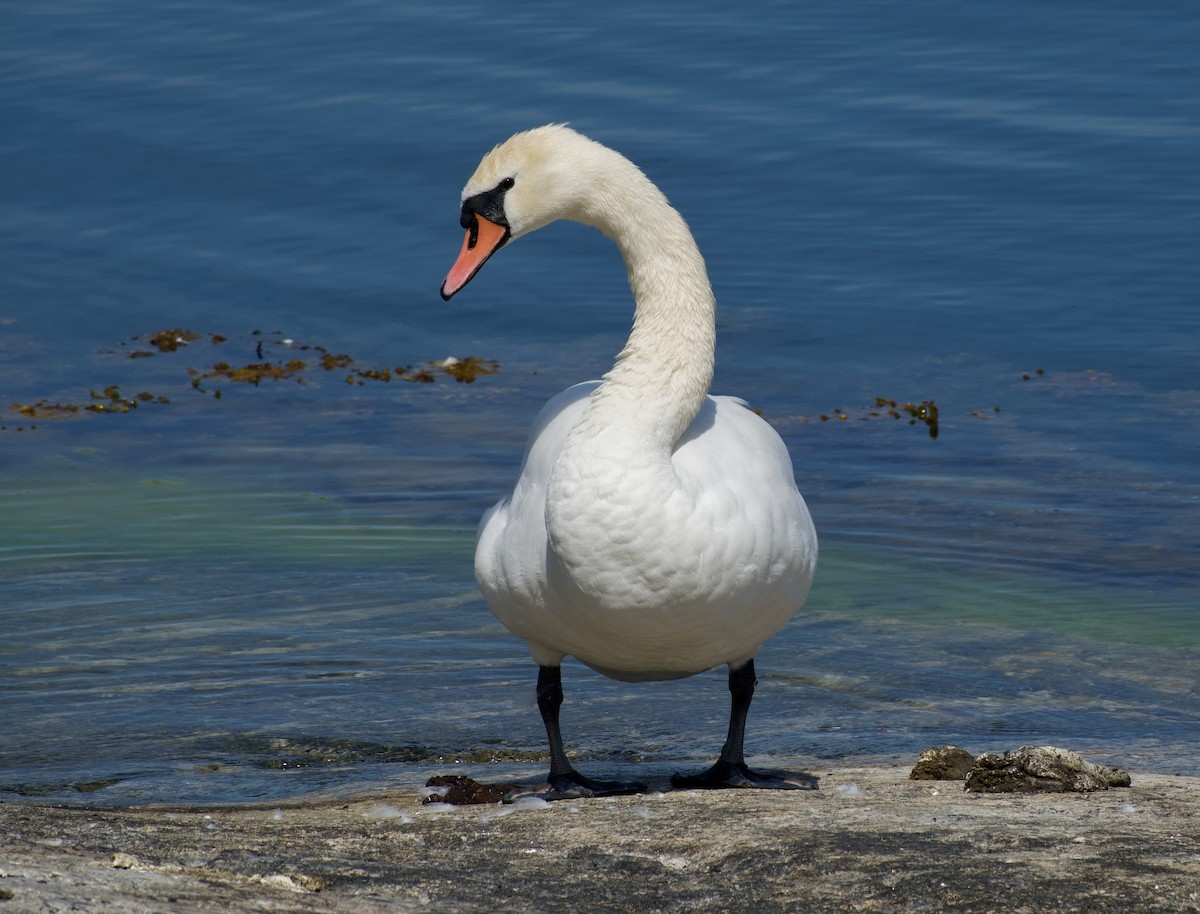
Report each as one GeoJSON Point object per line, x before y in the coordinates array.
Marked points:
{"type": "Point", "coordinates": [550, 429]}
{"type": "Point", "coordinates": [740, 475]}
{"type": "Point", "coordinates": [510, 546]}
{"type": "Point", "coordinates": [728, 445]}
{"type": "Point", "coordinates": [546, 436]}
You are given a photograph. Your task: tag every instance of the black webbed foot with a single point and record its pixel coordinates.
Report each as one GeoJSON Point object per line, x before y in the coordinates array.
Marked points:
{"type": "Point", "coordinates": [574, 786]}
{"type": "Point", "coordinates": [726, 775]}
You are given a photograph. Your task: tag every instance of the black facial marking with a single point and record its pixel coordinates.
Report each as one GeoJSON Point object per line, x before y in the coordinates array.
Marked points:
{"type": "Point", "coordinates": [489, 204]}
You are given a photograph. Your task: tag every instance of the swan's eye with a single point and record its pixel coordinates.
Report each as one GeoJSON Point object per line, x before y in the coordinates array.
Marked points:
{"type": "Point", "coordinates": [506, 183]}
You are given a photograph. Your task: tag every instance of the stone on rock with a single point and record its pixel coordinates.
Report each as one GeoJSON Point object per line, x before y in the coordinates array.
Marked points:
{"type": "Point", "coordinates": [943, 763]}
{"type": "Point", "coordinates": [1032, 769]}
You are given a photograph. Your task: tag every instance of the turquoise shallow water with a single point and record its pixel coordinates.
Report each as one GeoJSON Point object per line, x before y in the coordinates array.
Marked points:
{"type": "Point", "coordinates": [269, 593]}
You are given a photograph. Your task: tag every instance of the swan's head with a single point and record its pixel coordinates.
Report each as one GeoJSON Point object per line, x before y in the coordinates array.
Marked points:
{"type": "Point", "coordinates": [525, 183]}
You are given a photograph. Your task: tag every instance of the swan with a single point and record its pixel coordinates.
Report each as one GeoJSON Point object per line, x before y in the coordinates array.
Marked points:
{"type": "Point", "coordinates": [654, 531]}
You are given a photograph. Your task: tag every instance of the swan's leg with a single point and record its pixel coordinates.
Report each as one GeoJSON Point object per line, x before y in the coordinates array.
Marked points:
{"type": "Point", "coordinates": [563, 782]}
{"type": "Point", "coordinates": [730, 769]}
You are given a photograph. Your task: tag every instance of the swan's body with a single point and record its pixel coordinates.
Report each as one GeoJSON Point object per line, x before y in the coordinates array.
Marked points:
{"type": "Point", "coordinates": [661, 563]}
{"type": "Point", "coordinates": [655, 531]}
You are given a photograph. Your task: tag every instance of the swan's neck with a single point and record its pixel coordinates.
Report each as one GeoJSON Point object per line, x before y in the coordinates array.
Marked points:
{"type": "Point", "coordinates": [663, 373]}
{"type": "Point", "coordinates": [616, 464]}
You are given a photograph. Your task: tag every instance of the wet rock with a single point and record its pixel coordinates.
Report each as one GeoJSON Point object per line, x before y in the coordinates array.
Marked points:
{"type": "Point", "coordinates": [899, 847]}
{"type": "Point", "coordinates": [942, 763]}
{"type": "Point", "coordinates": [1033, 769]}
{"type": "Point", "coordinates": [464, 791]}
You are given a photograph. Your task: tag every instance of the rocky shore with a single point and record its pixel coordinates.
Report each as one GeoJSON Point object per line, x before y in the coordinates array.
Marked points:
{"type": "Point", "coordinates": [870, 839]}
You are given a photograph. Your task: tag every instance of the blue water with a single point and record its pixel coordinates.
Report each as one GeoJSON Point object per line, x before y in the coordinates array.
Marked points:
{"type": "Point", "coordinates": [269, 594]}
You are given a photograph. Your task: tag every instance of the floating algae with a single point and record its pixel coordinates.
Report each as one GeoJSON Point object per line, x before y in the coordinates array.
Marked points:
{"type": "Point", "coordinates": [254, 373]}
{"type": "Point", "coordinates": [110, 400]}
{"type": "Point", "coordinates": [925, 412]}
{"type": "Point", "coordinates": [462, 370]}
{"type": "Point", "coordinates": [295, 364]}
{"type": "Point", "coordinates": [298, 362]}
{"type": "Point", "coordinates": [466, 371]}
{"type": "Point", "coordinates": [171, 340]}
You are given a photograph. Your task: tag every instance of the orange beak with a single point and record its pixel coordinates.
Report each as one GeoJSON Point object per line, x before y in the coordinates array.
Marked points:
{"type": "Point", "coordinates": [484, 239]}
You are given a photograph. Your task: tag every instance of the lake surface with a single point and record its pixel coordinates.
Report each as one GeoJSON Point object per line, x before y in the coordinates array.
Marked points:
{"type": "Point", "coordinates": [240, 591]}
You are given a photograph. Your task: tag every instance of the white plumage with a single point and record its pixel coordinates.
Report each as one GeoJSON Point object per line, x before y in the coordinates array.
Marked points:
{"type": "Point", "coordinates": [655, 531]}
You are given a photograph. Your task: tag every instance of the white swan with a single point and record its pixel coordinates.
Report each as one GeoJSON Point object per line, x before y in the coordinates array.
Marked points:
{"type": "Point", "coordinates": [655, 531]}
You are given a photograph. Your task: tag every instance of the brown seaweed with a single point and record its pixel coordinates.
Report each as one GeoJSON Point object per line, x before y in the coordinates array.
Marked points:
{"type": "Point", "coordinates": [276, 358]}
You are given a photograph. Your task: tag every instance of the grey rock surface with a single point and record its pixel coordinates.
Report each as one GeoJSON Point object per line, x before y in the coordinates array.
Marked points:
{"type": "Point", "coordinates": [869, 840]}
